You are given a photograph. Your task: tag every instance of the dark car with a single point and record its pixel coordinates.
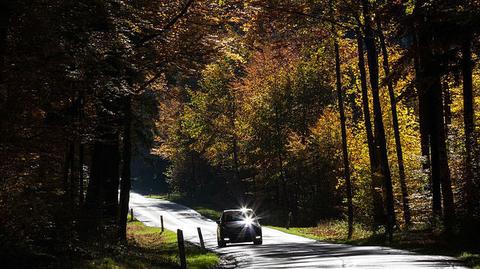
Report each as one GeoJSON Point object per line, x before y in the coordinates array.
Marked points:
{"type": "Point", "coordinates": [238, 225]}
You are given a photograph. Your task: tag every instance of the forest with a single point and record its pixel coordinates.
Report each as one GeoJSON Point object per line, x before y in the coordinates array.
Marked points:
{"type": "Point", "coordinates": [365, 111]}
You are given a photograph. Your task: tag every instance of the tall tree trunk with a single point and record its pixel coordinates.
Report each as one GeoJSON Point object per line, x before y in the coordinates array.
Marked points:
{"type": "Point", "coordinates": [125, 185]}
{"type": "Point", "coordinates": [193, 176]}
{"type": "Point", "coordinates": [81, 151]}
{"type": "Point", "coordinates": [468, 118]}
{"type": "Point", "coordinates": [376, 184]}
{"type": "Point", "coordinates": [380, 141]}
{"type": "Point", "coordinates": [438, 145]}
{"type": "Point", "coordinates": [94, 199]}
{"type": "Point", "coordinates": [285, 190]}
{"type": "Point", "coordinates": [236, 173]}
{"type": "Point", "coordinates": [5, 14]}
{"type": "Point", "coordinates": [81, 161]}
{"type": "Point", "coordinates": [101, 205]}
{"type": "Point", "coordinates": [346, 164]}
{"type": "Point", "coordinates": [112, 182]}
{"type": "Point", "coordinates": [429, 84]}
{"type": "Point", "coordinates": [67, 170]}
{"type": "Point", "coordinates": [279, 154]}
{"type": "Point", "coordinates": [396, 130]}
{"type": "Point", "coordinates": [73, 179]}
{"type": "Point", "coordinates": [425, 115]}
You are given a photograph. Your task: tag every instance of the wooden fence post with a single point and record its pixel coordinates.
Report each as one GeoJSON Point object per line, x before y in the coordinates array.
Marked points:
{"type": "Point", "coordinates": [289, 222]}
{"type": "Point", "coordinates": [131, 214]}
{"type": "Point", "coordinates": [181, 249]}
{"type": "Point", "coordinates": [161, 222]}
{"type": "Point", "coordinates": [200, 236]}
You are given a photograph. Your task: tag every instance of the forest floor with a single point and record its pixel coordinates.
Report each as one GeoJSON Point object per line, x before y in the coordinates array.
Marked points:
{"type": "Point", "coordinates": [420, 240]}
{"type": "Point", "coordinates": [149, 247]}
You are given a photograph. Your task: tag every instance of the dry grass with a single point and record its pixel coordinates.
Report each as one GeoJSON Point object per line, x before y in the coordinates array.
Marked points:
{"type": "Point", "coordinates": [331, 231]}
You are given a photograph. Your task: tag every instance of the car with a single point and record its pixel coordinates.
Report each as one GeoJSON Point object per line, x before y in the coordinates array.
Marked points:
{"type": "Point", "coordinates": [238, 225]}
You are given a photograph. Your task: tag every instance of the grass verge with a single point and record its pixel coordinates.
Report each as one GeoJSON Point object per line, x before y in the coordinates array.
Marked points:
{"type": "Point", "coordinates": [206, 210]}
{"type": "Point", "coordinates": [148, 247]}
{"type": "Point", "coordinates": [420, 240]}
{"type": "Point", "coordinates": [331, 231]}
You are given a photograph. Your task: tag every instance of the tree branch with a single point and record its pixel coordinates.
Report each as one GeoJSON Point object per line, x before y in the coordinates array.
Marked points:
{"type": "Point", "coordinates": [169, 25]}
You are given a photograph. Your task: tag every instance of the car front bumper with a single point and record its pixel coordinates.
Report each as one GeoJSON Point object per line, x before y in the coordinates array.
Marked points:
{"type": "Point", "coordinates": [242, 234]}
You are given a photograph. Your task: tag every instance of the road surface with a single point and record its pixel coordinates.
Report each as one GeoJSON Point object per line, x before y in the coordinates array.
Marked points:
{"type": "Point", "coordinates": [279, 250]}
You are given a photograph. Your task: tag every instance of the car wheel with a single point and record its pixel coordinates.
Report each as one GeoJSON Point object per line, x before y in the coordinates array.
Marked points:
{"type": "Point", "coordinates": [257, 242]}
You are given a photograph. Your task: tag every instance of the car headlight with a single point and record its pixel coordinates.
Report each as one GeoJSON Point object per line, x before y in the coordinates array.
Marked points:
{"type": "Point", "coordinates": [248, 221]}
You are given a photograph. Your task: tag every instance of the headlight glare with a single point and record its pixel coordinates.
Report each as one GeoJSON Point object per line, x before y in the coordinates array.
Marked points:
{"type": "Point", "coordinates": [248, 221]}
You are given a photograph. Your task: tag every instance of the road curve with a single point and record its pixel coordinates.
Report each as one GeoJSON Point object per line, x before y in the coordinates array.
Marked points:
{"type": "Point", "coordinates": [280, 250]}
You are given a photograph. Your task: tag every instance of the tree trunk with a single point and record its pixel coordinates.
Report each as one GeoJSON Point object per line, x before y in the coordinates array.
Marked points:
{"type": "Point", "coordinates": [430, 90]}
{"type": "Point", "coordinates": [396, 130]}
{"type": "Point", "coordinates": [236, 173]}
{"type": "Point", "coordinates": [285, 190]}
{"type": "Point", "coordinates": [73, 179]}
{"type": "Point", "coordinates": [380, 141]}
{"type": "Point", "coordinates": [346, 164]}
{"type": "Point", "coordinates": [81, 188]}
{"type": "Point", "coordinates": [81, 152]}
{"type": "Point", "coordinates": [4, 23]}
{"type": "Point", "coordinates": [193, 178]}
{"type": "Point", "coordinates": [438, 145]}
{"type": "Point", "coordinates": [101, 203]}
{"type": "Point", "coordinates": [376, 184]}
{"type": "Point", "coordinates": [125, 185]}
{"type": "Point", "coordinates": [67, 170]}
{"type": "Point", "coordinates": [468, 118]}
{"type": "Point", "coordinates": [424, 83]}
{"type": "Point", "coordinates": [5, 14]}
{"type": "Point", "coordinates": [94, 199]}
{"type": "Point", "coordinates": [425, 115]}
{"type": "Point", "coordinates": [112, 181]}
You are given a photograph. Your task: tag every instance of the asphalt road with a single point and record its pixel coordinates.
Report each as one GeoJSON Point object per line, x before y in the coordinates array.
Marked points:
{"type": "Point", "coordinates": [279, 250]}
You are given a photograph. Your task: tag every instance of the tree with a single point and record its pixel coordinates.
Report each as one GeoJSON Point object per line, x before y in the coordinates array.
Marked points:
{"type": "Point", "coordinates": [468, 117]}
{"type": "Point", "coordinates": [380, 142]}
{"type": "Point", "coordinates": [376, 184]}
{"type": "Point", "coordinates": [430, 88]}
{"type": "Point", "coordinates": [125, 184]}
{"type": "Point", "coordinates": [346, 163]}
{"type": "Point", "coordinates": [398, 142]}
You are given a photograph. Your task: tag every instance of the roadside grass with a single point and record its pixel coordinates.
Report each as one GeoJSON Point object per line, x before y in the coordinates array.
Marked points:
{"type": "Point", "coordinates": [330, 231]}
{"type": "Point", "coordinates": [149, 247]}
{"type": "Point", "coordinates": [470, 259]}
{"type": "Point", "coordinates": [424, 241]}
{"type": "Point", "coordinates": [206, 210]}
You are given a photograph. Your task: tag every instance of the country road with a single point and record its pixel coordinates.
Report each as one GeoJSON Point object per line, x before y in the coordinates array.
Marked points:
{"type": "Point", "coordinates": [280, 250]}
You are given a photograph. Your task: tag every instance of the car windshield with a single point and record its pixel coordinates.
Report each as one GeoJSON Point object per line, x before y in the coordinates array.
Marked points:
{"type": "Point", "coordinates": [237, 215]}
